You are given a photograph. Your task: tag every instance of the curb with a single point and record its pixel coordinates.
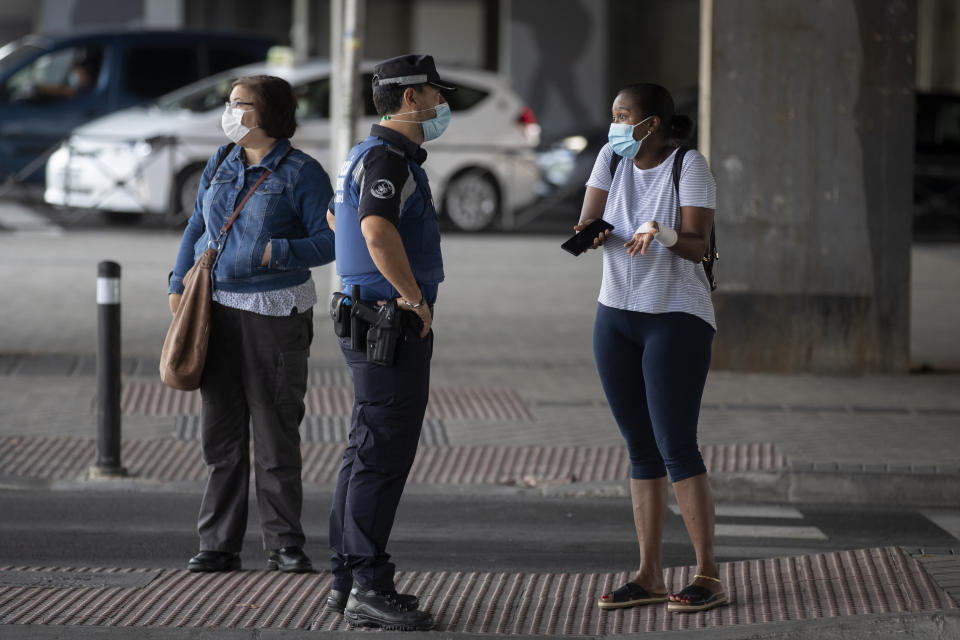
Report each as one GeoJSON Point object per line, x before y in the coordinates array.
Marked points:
{"type": "Point", "coordinates": [799, 487]}
{"type": "Point", "coordinates": [780, 487]}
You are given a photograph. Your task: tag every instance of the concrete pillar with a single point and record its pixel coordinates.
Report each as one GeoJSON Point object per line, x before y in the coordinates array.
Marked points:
{"type": "Point", "coordinates": [300, 30]}
{"type": "Point", "coordinates": [938, 34]}
{"type": "Point", "coordinates": [810, 136]}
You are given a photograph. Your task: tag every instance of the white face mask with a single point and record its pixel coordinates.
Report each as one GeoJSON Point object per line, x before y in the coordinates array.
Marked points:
{"type": "Point", "coordinates": [232, 124]}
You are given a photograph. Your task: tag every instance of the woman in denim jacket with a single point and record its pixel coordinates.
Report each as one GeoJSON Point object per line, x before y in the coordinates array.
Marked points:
{"type": "Point", "coordinates": [261, 322]}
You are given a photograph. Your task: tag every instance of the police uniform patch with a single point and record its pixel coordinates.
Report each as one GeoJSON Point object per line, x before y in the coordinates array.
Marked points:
{"type": "Point", "coordinates": [382, 189]}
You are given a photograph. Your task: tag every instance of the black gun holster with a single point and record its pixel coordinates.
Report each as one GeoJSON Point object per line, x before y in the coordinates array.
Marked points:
{"type": "Point", "coordinates": [340, 305]}
{"type": "Point", "coordinates": [376, 330]}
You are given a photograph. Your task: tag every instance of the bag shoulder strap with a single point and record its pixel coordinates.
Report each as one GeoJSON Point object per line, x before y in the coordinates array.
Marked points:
{"type": "Point", "coordinates": [711, 254]}
{"type": "Point", "coordinates": [614, 161]}
{"type": "Point", "coordinates": [236, 212]}
{"type": "Point", "coordinates": [223, 156]}
{"type": "Point", "coordinates": [677, 167]}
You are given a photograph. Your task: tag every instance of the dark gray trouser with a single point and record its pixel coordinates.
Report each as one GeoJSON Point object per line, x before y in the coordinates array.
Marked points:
{"type": "Point", "coordinates": [388, 409]}
{"type": "Point", "coordinates": [255, 377]}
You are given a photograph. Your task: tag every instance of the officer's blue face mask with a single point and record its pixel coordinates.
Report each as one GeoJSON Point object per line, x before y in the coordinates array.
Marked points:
{"type": "Point", "coordinates": [433, 127]}
{"type": "Point", "coordinates": [622, 141]}
{"type": "Point", "coordinates": [436, 125]}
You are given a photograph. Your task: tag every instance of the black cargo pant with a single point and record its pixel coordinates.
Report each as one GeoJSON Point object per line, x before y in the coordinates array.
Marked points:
{"type": "Point", "coordinates": [388, 409]}
{"type": "Point", "coordinates": [255, 377]}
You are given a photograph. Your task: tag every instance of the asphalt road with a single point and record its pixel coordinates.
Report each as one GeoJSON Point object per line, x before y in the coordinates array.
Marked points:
{"type": "Point", "coordinates": [445, 531]}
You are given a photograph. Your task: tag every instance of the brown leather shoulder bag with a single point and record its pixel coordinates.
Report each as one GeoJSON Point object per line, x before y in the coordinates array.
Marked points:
{"type": "Point", "coordinates": [185, 347]}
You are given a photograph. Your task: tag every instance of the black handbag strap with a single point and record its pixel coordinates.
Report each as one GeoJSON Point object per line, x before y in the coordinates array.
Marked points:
{"type": "Point", "coordinates": [677, 165]}
{"type": "Point", "coordinates": [223, 156]}
{"type": "Point", "coordinates": [614, 161]}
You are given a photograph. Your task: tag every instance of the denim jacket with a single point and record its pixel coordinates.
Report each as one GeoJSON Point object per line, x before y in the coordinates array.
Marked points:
{"type": "Point", "coordinates": [288, 210]}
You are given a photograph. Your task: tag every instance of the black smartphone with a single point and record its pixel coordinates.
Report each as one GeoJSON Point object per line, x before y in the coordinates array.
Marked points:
{"type": "Point", "coordinates": [583, 240]}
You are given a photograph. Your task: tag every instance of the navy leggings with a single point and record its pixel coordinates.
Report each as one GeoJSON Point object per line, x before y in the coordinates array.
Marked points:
{"type": "Point", "coordinates": [653, 367]}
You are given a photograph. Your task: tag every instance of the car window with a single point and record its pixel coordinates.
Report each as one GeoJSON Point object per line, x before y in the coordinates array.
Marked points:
{"type": "Point", "coordinates": [464, 97]}
{"type": "Point", "coordinates": [153, 70]}
{"type": "Point", "coordinates": [948, 125]}
{"type": "Point", "coordinates": [366, 94]}
{"type": "Point", "coordinates": [210, 96]}
{"type": "Point", "coordinates": [313, 99]}
{"type": "Point", "coordinates": [12, 55]}
{"type": "Point", "coordinates": [221, 57]}
{"type": "Point", "coordinates": [57, 76]}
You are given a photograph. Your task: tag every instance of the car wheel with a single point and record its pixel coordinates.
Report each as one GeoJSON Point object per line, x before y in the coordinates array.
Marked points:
{"type": "Point", "coordinates": [471, 200]}
{"type": "Point", "coordinates": [184, 195]}
{"type": "Point", "coordinates": [122, 217]}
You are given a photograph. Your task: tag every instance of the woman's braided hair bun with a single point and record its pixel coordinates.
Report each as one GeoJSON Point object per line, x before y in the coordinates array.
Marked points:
{"type": "Point", "coordinates": [681, 127]}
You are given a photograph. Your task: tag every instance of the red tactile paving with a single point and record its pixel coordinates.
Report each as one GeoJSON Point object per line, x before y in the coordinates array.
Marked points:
{"type": "Point", "coordinates": [179, 460]}
{"type": "Point", "coordinates": [850, 583]}
{"type": "Point", "coordinates": [154, 399]}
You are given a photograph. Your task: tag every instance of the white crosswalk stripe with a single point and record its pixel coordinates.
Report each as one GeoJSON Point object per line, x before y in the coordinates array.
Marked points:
{"type": "Point", "coordinates": [949, 521]}
{"type": "Point", "coordinates": [768, 531]}
{"type": "Point", "coordinates": [760, 529]}
{"type": "Point", "coordinates": [751, 511]}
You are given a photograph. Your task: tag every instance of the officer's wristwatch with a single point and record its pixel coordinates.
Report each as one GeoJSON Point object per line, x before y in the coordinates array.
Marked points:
{"type": "Point", "coordinates": [411, 305]}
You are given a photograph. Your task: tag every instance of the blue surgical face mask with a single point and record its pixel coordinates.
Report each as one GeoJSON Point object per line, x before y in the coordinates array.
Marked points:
{"type": "Point", "coordinates": [436, 125]}
{"type": "Point", "coordinates": [433, 127]}
{"type": "Point", "coordinates": [622, 141]}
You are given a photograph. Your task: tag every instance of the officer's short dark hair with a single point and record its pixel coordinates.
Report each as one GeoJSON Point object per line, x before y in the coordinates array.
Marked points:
{"type": "Point", "coordinates": [388, 98]}
{"type": "Point", "coordinates": [275, 104]}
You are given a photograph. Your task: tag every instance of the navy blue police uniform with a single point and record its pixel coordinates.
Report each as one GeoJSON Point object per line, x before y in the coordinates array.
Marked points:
{"type": "Point", "coordinates": [382, 176]}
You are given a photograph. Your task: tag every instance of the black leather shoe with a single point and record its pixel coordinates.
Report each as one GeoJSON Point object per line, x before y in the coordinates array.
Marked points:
{"type": "Point", "coordinates": [337, 600]}
{"type": "Point", "coordinates": [289, 560]}
{"type": "Point", "coordinates": [383, 609]}
{"type": "Point", "coordinates": [210, 561]}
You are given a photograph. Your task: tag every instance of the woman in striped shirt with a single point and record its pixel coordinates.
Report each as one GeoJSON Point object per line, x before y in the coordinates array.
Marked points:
{"type": "Point", "coordinates": [654, 330]}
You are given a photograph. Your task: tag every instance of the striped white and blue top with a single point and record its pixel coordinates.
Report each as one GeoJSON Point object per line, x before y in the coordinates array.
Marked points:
{"type": "Point", "coordinates": [660, 281]}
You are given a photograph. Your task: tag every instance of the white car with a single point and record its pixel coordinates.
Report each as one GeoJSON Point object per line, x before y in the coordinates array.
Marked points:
{"type": "Point", "coordinates": [149, 159]}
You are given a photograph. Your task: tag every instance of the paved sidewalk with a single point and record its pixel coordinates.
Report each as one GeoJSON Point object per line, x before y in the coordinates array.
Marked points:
{"type": "Point", "coordinates": [873, 591]}
{"type": "Point", "coordinates": [890, 440]}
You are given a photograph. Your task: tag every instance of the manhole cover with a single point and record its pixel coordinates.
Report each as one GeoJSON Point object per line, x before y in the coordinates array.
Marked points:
{"type": "Point", "coordinates": [74, 579]}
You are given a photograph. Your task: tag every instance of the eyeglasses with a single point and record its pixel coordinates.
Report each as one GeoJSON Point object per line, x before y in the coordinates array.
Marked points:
{"type": "Point", "coordinates": [237, 103]}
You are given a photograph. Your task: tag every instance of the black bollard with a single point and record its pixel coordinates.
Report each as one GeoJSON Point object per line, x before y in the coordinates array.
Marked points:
{"type": "Point", "coordinates": [108, 373]}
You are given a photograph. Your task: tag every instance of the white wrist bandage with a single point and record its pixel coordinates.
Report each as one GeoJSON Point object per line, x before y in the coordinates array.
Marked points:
{"type": "Point", "coordinates": [666, 236]}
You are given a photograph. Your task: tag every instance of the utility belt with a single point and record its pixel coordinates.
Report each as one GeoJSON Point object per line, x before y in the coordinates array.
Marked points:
{"type": "Point", "coordinates": [376, 329]}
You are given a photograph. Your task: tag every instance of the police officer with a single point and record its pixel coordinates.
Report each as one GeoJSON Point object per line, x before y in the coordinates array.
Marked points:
{"type": "Point", "coordinates": [388, 249]}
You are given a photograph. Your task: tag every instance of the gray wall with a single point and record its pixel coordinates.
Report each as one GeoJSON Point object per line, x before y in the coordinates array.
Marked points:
{"type": "Point", "coordinates": [558, 61]}
{"type": "Point", "coordinates": [812, 147]}
{"type": "Point", "coordinates": [66, 15]}
{"type": "Point", "coordinates": [654, 41]}
{"type": "Point", "coordinates": [17, 19]}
